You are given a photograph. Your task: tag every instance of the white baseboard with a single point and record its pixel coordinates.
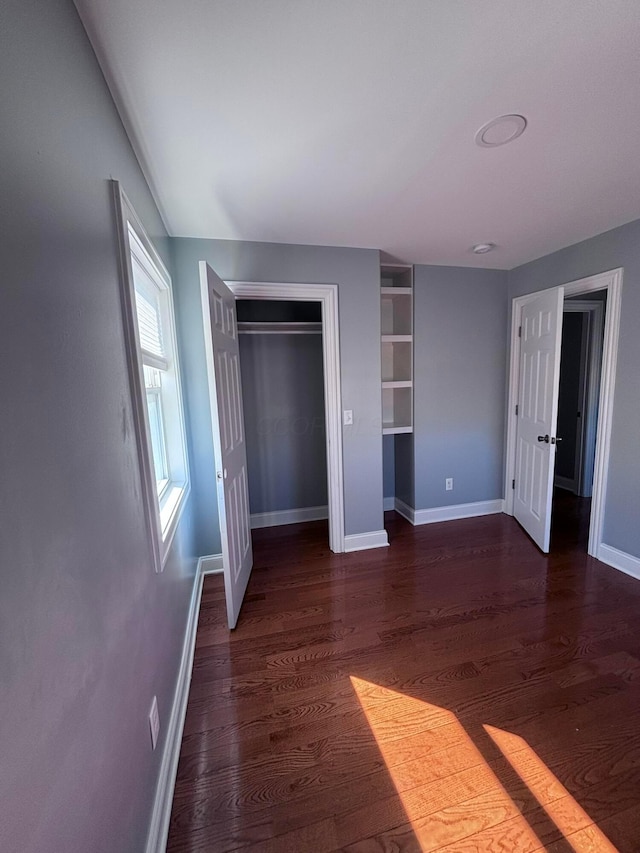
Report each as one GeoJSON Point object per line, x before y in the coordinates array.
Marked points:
{"type": "Point", "coordinates": [620, 560]}
{"type": "Point", "coordinates": [210, 565]}
{"type": "Point", "coordinates": [288, 516]}
{"type": "Point", "coordinates": [388, 503]}
{"type": "Point", "coordinates": [362, 541]}
{"type": "Point", "coordinates": [161, 815]}
{"type": "Point", "coordinates": [448, 513]}
{"type": "Point", "coordinates": [404, 510]}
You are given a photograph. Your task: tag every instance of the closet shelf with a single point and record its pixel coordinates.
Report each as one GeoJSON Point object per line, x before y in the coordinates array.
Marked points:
{"type": "Point", "coordinates": [264, 328]}
{"type": "Point", "coordinates": [396, 327]}
{"type": "Point", "coordinates": [396, 291]}
{"type": "Point", "coordinates": [396, 339]}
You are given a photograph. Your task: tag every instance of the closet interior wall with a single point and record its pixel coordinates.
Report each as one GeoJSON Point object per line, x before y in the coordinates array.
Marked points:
{"type": "Point", "coordinates": [281, 361]}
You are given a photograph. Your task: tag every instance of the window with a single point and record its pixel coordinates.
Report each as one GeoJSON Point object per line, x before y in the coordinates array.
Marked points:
{"type": "Point", "coordinates": [155, 379]}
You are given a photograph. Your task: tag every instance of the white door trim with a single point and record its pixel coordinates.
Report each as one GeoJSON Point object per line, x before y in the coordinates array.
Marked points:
{"type": "Point", "coordinates": [610, 281]}
{"type": "Point", "coordinates": [327, 295]}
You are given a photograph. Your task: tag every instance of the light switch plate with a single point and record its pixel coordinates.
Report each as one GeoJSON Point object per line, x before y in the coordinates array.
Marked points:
{"type": "Point", "coordinates": [348, 417]}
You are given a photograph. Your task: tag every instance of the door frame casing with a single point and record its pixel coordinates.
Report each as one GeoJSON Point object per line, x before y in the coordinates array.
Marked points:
{"type": "Point", "coordinates": [611, 281]}
{"type": "Point", "coordinates": [327, 295]}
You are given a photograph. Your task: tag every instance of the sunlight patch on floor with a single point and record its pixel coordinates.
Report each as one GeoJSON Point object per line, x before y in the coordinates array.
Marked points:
{"type": "Point", "coordinates": [452, 797]}
{"type": "Point", "coordinates": [570, 818]}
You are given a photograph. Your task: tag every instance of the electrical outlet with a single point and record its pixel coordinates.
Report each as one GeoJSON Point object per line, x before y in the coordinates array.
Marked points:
{"type": "Point", "coordinates": [448, 484]}
{"type": "Point", "coordinates": [154, 722]}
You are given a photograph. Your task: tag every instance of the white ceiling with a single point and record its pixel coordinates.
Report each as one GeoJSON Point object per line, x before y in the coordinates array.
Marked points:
{"type": "Point", "coordinates": [352, 122]}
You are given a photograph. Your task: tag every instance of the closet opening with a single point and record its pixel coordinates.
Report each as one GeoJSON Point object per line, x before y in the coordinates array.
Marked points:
{"type": "Point", "coordinates": [283, 393]}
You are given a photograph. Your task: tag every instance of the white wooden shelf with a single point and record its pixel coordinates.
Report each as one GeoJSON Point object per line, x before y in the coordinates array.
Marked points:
{"type": "Point", "coordinates": [396, 291]}
{"type": "Point", "coordinates": [396, 328]}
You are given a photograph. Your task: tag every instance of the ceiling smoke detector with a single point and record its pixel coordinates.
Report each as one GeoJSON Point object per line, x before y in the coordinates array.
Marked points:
{"type": "Point", "coordinates": [483, 248]}
{"type": "Point", "coordinates": [500, 130]}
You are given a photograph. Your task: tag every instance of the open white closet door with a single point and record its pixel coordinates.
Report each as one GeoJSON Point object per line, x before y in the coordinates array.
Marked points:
{"type": "Point", "coordinates": [541, 338]}
{"type": "Point", "coordinates": [227, 421]}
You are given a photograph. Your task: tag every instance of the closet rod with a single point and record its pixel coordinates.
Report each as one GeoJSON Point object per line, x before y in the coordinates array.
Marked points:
{"type": "Point", "coordinates": [256, 328]}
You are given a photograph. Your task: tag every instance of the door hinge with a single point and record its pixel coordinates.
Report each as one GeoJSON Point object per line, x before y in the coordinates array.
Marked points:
{"type": "Point", "coordinates": [513, 484]}
{"type": "Point", "coordinates": [516, 408]}
{"type": "Point", "coordinates": [519, 331]}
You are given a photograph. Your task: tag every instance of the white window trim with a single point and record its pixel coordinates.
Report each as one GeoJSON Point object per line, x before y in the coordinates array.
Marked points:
{"type": "Point", "coordinates": [161, 521]}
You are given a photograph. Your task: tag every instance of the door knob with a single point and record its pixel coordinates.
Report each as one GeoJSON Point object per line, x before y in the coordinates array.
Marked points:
{"type": "Point", "coordinates": [543, 438]}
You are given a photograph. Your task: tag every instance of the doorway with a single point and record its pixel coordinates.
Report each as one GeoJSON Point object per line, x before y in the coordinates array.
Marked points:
{"type": "Point", "coordinates": [327, 296]}
{"type": "Point", "coordinates": [579, 392]}
{"type": "Point", "coordinates": [281, 364]}
{"type": "Point", "coordinates": [222, 350]}
{"type": "Point", "coordinates": [611, 283]}
{"type": "Point", "coordinates": [578, 401]}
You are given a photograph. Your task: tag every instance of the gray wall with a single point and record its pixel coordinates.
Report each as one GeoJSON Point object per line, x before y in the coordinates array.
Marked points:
{"type": "Point", "coordinates": [398, 464]}
{"type": "Point", "coordinates": [283, 398]}
{"type": "Point", "coordinates": [617, 248]}
{"type": "Point", "coordinates": [460, 328]}
{"type": "Point", "coordinates": [88, 631]}
{"type": "Point", "coordinates": [389, 466]}
{"type": "Point", "coordinates": [405, 468]}
{"type": "Point", "coordinates": [356, 271]}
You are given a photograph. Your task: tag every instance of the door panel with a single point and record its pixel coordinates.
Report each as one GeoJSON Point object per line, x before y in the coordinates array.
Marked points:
{"type": "Point", "coordinates": [225, 394]}
{"type": "Point", "coordinates": [537, 413]}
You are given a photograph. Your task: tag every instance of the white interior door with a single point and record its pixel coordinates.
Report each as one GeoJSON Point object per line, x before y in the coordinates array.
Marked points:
{"type": "Point", "coordinates": [541, 337]}
{"type": "Point", "coordinates": [225, 395]}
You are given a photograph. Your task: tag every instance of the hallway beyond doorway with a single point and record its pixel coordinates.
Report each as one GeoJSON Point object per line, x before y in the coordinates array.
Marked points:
{"type": "Point", "coordinates": [569, 521]}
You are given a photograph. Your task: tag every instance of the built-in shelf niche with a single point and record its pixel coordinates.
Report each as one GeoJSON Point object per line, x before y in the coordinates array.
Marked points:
{"type": "Point", "coordinates": [397, 361]}
{"type": "Point", "coordinates": [396, 275]}
{"type": "Point", "coordinates": [396, 311]}
{"type": "Point", "coordinates": [396, 326]}
{"type": "Point", "coordinates": [397, 410]}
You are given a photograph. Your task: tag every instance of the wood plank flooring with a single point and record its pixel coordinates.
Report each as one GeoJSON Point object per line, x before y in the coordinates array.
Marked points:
{"type": "Point", "coordinates": [457, 691]}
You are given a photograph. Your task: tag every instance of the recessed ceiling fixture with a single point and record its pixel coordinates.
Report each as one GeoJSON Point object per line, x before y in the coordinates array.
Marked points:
{"type": "Point", "coordinates": [500, 130]}
{"type": "Point", "coordinates": [483, 248]}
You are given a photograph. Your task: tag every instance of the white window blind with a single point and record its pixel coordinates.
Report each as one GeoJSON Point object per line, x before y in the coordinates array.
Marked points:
{"type": "Point", "coordinates": [149, 312]}
{"type": "Point", "coordinates": [149, 322]}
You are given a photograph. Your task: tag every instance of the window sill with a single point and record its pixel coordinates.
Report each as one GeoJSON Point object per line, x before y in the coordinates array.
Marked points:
{"type": "Point", "coordinates": [173, 504]}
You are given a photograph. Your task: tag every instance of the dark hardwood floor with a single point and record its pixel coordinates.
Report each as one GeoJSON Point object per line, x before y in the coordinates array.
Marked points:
{"type": "Point", "coordinates": [457, 691]}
